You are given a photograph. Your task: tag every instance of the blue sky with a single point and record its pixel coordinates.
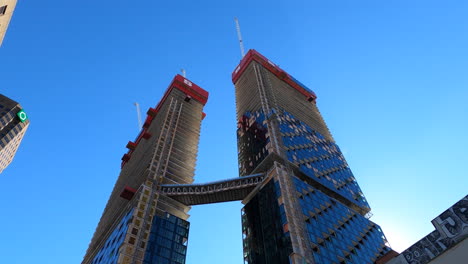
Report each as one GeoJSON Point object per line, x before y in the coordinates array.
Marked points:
{"type": "Point", "coordinates": [391, 80]}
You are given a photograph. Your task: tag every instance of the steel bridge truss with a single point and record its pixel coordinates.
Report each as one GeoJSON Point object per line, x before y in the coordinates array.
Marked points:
{"type": "Point", "coordinates": [214, 192]}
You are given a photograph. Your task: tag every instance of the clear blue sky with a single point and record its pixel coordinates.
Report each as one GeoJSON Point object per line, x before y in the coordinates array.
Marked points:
{"type": "Point", "coordinates": [391, 79]}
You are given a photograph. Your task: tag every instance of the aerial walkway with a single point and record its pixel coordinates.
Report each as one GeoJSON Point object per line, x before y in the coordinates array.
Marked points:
{"type": "Point", "coordinates": [213, 192]}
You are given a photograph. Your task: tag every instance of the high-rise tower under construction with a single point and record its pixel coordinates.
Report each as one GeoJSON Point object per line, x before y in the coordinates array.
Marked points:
{"type": "Point", "coordinates": [309, 208]}
{"type": "Point", "coordinates": [138, 224]}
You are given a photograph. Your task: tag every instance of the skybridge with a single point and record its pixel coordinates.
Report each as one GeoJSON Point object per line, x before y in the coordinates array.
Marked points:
{"type": "Point", "coordinates": [213, 192]}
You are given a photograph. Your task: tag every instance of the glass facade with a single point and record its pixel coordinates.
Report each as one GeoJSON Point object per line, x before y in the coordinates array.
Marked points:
{"type": "Point", "coordinates": [252, 141]}
{"type": "Point", "coordinates": [266, 238]}
{"type": "Point", "coordinates": [316, 156]}
{"type": "Point", "coordinates": [109, 253]}
{"type": "Point", "coordinates": [337, 233]}
{"type": "Point", "coordinates": [168, 239]}
{"type": "Point", "coordinates": [319, 158]}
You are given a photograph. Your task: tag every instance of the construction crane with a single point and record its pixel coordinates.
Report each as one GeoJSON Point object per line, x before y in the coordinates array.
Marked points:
{"type": "Point", "coordinates": [239, 36]}
{"type": "Point", "coordinates": [140, 124]}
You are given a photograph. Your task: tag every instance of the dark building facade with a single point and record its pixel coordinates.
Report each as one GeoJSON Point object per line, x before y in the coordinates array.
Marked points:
{"type": "Point", "coordinates": [140, 225]}
{"type": "Point", "coordinates": [309, 209]}
{"type": "Point", "coordinates": [13, 124]}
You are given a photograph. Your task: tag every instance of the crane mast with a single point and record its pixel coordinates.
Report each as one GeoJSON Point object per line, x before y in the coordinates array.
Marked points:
{"type": "Point", "coordinates": [239, 36]}
{"type": "Point", "coordinates": [140, 124]}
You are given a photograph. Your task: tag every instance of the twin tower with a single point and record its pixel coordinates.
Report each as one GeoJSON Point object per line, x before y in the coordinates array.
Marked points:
{"type": "Point", "coordinates": [302, 202]}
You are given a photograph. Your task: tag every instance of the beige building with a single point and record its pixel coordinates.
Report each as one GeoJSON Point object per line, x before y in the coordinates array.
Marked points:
{"type": "Point", "coordinates": [6, 12]}
{"type": "Point", "coordinates": [13, 125]}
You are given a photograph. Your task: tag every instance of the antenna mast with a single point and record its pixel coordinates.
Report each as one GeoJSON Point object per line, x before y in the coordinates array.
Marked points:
{"type": "Point", "coordinates": [239, 36]}
{"type": "Point", "coordinates": [183, 72]}
{"type": "Point", "coordinates": [140, 124]}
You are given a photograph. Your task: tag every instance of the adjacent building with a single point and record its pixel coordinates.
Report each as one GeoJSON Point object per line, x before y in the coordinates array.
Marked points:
{"type": "Point", "coordinates": [309, 208]}
{"type": "Point", "coordinates": [13, 125]}
{"type": "Point", "coordinates": [6, 12]}
{"type": "Point", "coordinates": [448, 243]}
{"type": "Point", "coordinates": [139, 224]}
